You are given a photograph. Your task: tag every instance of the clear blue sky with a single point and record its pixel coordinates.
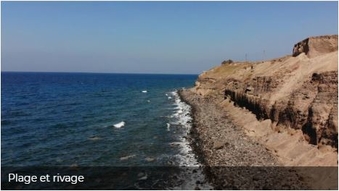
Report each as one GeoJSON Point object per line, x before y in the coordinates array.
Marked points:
{"type": "Point", "coordinates": [154, 37]}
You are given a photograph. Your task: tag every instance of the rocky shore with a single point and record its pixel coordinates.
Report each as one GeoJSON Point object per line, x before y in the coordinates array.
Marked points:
{"type": "Point", "coordinates": [269, 124]}
{"type": "Point", "coordinates": [233, 160]}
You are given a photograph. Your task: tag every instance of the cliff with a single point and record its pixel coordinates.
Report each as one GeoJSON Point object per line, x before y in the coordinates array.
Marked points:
{"type": "Point", "coordinates": [315, 46]}
{"type": "Point", "coordinates": [295, 95]}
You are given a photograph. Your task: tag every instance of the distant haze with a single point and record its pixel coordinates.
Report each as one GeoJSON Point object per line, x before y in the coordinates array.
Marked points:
{"type": "Point", "coordinates": [154, 37]}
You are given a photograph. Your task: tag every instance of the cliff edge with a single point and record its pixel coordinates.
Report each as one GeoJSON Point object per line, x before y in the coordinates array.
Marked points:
{"type": "Point", "coordinates": [289, 104]}
{"type": "Point", "coordinates": [314, 46]}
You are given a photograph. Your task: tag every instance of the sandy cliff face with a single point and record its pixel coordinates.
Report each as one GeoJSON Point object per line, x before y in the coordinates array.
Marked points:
{"type": "Point", "coordinates": [298, 92]}
{"type": "Point", "coordinates": [315, 46]}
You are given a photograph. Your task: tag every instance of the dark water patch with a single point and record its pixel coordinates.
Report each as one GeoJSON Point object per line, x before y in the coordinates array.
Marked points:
{"type": "Point", "coordinates": [5, 122]}
{"type": "Point", "coordinates": [18, 114]}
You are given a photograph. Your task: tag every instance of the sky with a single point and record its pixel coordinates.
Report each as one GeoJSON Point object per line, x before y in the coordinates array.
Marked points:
{"type": "Point", "coordinates": [154, 37]}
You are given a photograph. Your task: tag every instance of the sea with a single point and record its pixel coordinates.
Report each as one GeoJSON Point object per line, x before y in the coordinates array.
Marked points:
{"type": "Point", "coordinates": [102, 122]}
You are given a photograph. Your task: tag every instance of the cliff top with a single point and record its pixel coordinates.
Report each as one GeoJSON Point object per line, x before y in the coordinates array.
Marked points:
{"type": "Point", "coordinates": [316, 45]}
{"type": "Point", "coordinates": [335, 36]}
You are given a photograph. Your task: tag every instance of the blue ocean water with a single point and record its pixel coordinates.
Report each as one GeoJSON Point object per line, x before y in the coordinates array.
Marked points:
{"type": "Point", "coordinates": [69, 118]}
{"type": "Point", "coordinates": [98, 120]}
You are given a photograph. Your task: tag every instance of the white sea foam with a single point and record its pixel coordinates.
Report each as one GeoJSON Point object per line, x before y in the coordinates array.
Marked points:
{"type": "Point", "coordinates": [168, 126]}
{"type": "Point", "coordinates": [127, 157]}
{"type": "Point", "coordinates": [186, 156]}
{"type": "Point", "coordinates": [144, 91]}
{"type": "Point", "coordinates": [142, 176]}
{"type": "Point", "coordinates": [182, 118]}
{"type": "Point", "coordinates": [119, 125]}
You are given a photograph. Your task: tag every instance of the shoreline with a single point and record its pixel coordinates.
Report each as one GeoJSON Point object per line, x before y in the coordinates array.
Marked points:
{"type": "Point", "coordinates": [232, 159]}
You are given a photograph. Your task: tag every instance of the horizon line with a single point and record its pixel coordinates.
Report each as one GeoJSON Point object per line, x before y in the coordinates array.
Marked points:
{"type": "Point", "coordinates": [133, 73]}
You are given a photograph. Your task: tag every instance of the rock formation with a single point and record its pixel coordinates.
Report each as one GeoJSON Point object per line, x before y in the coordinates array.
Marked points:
{"type": "Point", "coordinates": [315, 46]}
{"type": "Point", "coordinates": [270, 114]}
{"type": "Point", "coordinates": [298, 92]}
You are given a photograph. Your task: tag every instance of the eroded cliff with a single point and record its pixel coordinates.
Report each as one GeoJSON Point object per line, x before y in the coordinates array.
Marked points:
{"type": "Point", "coordinates": [298, 92]}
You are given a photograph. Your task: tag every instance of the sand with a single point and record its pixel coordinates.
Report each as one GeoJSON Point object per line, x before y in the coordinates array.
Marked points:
{"type": "Point", "coordinates": [235, 159]}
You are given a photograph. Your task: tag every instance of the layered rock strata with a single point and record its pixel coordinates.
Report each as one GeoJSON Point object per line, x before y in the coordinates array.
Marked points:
{"type": "Point", "coordinates": [280, 112]}
{"type": "Point", "coordinates": [293, 92]}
